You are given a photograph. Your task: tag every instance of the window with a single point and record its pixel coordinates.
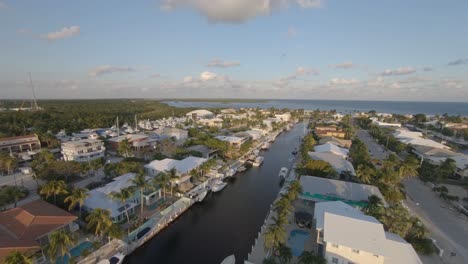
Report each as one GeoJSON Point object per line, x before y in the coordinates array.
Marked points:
{"type": "Point", "coordinates": [356, 251]}
{"type": "Point", "coordinates": [334, 260]}
{"type": "Point", "coordinates": [335, 245]}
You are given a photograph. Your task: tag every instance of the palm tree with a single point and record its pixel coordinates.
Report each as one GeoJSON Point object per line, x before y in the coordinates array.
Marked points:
{"type": "Point", "coordinates": [16, 257]}
{"type": "Point", "coordinates": [59, 243]}
{"type": "Point", "coordinates": [77, 197]}
{"type": "Point", "coordinates": [123, 196]}
{"type": "Point", "coordinates": [274, 236]}
{"type": "Point", "coordinates": [16, 193]}
{"type": "Point", "coordinates": [141, 184]}
{"type": "Point", "coordinates": [308, 258]}
{"type": "Point", "coordinates": [365, 173]}
{"type": "Point", "coordinates": [162, 179]}
{"type": "Point", "coordinates": [283, 206]}
{"type": "Point", "coordinates": [172, 173]}
{"type": "Point", "coordinates": [294, 190]}
{"type": "Point", "coordinates": [285, 254]}
{"type": "Point", "coordinates": [374, 206]}
{"type": "Point", "coordinates": [125, 148]}
{"type": "Point", "coordinates": [54, 188]}
{"type": "Point", "coordinates": [99, 220]}
{"type": "Point", "coordinates": [409, 167]}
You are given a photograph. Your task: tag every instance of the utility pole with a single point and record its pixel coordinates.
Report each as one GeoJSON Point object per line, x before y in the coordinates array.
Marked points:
{"type": "Point", "coordinates": [33, 100]}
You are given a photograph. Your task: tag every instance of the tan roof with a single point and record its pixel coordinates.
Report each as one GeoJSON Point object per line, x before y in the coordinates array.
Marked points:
{"type": "Point", "coordinates": [20, 227]}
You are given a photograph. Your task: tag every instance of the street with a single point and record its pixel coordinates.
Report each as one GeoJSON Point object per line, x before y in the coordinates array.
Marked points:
{"type": "Point", "coordinates": [446, 226]}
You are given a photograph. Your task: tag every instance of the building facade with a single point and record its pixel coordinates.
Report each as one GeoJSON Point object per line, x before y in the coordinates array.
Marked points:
{"type": "Point", "coordinates": [83, 150]}
{"type": "Point", "coordinates": [20, 144]}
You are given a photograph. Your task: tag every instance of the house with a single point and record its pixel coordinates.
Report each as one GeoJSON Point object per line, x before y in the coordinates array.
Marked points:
{"type": "Point", "coordinates": [204, 150]}
{"type": "Point", "coordinates": [253, 134]}
{"type": "Point", "coordinates": [83, 150]}
{"type": "Point", "coordinates": [344, 143]}
{"type": "Point", "coordinates": [329, 131]}
{"type": "Point", "coordinates": [285, 117]}
{"type": "Point", "coordinates": [439, 155]}
{"type": "Point", "coordinates": [384, 124]}
{"type": "Point", "coordinates": [318, 189]}
{"type": "Point", "coordinates": [27, 228]}
{"type": "Point", "coordinates": [416, 138]}
{"type": "Point", "coordinates": [20, 144]}
{"type": "Point", "coordinates": [182, 167]}
{"type": "Point", "coordinates": [345, 235]}
{"type": "Point", "coordinates": [270, 121]}
{"type": "Point", "coordinates": [136, 140]}
{"type": "Point", "coordinates": [232, 140]}
{"type": "Point", "coordinates": [228, 111]}
{"type": "Point", "coordinates": [211, 122]}
{"type": "Point", "coordinates": [100, 198]}
{"type": "Point", "coordinates": [332, 148]}
{"type": "Point", "coordinates": [338, 163]}
{"type": "Point", "coordinates": [199, 114]}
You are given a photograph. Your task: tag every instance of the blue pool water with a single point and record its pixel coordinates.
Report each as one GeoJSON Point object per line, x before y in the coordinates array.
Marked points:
{"type": "Point", "coordinates": [74, 252]}
{"type": "Point", "coordinates": [296, 241]}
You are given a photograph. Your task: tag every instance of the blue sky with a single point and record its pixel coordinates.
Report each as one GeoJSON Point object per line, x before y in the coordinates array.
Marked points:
{"type": "Point", "coordinates": [328, 49]}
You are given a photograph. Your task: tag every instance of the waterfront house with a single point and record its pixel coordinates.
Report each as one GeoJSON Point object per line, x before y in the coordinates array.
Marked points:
{"type": "Point", "coordinates": [138, 141]}
{"type": "Point", "coordinates": [27, 228]}
{"type": "Point", "coordinates": [180, 135]}
{"type": "Point", "coordinates": [439, 155]}
{"type": "Point", "coordinates": [338, 163]}
{"type": "Point", "coordinates": [345, 235]}
{"type": "Point", "coordinates": [285, 117]}
{"type": "Point", "coordinates": [211, 122]}
{"type": "Point", "coordinates": [205, 152]}
{"type": "Point", "coordinates": [182, 167]}
{"type": "Point", "coordinates": [232, 140]}
{"type": "Point", "coordinates": [200, 114]}
{"type": "Point", "coordinates": [332, 148]}
{"type": "Point", "coordinates": [318, 189]}
{"type": "Point", "coordinates": [83, 150]}
{"type": "Point", "coordinates": [20, 144]}
{"type": "Point", "coordinates": [344, 143]}
{"type": "Point", "coordinates": [329, 131]}
{"type": "Point", "coordinates": [253, 134]}
{"type": "Point", "coordinates": [100, 198]}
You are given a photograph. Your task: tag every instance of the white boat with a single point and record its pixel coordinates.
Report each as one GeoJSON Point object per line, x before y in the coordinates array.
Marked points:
{"type": "Point", "coordinates": [283, 172]}
{"type": "Point", "coordinates": [241, 169]}
{"type": "Point", "coordinates": [229, 260]}
{"type": "Point", "coordinates": [116, 259]}
{"type": "Point", "coordinates": [201, 196]}
{"type": "Point", "coordinates": [258, 161]}
{"type": "Point", "coordinates": [229, 173]}
{"type": "Point", "coordinates": [266, 146]}
{"type": "Point", "coordinates": [218, 185]}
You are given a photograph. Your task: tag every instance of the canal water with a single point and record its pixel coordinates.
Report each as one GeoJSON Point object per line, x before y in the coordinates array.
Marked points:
{"type": "Point", "coordinates": [226, 222]}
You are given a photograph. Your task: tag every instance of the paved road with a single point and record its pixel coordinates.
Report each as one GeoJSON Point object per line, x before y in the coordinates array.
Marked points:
{"type": "Point", "coordinates": [446, 226]}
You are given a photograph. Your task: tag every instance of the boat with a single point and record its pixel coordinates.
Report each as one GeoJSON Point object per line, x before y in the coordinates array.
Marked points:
{"type": "Point", "coordinates": [266, 146]}
{"type": "Point", "coordinates": [115, 259]}
{"type": "Point", "coordinates": [241, 169]}
{"type": "Point", "coordinates": [294, 152]}
{"type": "Point", "coordinates": [218, 185]}
{"type": "Point", "coordinates": [258, 161]}
{"type": "Point", "coordinates": [201, 196]}
{"type": "Point", "coordinates": [229, 173]}
{"type": "Point", "coordinates": [229, 260]}
{"type": "Point", "coordinates": [283, 172]}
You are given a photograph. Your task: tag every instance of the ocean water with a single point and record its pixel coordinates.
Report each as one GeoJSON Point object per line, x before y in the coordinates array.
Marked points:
{"type": "Point", "coordinates": [395, 107]}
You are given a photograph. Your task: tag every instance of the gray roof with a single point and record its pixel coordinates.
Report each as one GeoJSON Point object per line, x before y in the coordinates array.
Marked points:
{"type": "Point", "coordinates": [337, 162]}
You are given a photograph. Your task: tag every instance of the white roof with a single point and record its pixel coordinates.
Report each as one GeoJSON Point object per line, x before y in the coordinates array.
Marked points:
{"type": "Point", "coordinates": [118, 184]}
{"type": "Point", "coordinates": [347, 226]}
{"type": "Point", "coordinates": [416, 138]}
{"type": "Point", "coordinates": [337, 162]}
{"type": "Point", "coordinates": [182, 166]}
{"type": "Point", "coordinates": [332, 148]}
{"type": "Point", "coordinates": [341, 189]}
{"type": "Point", "coordinates": [130, 137]}
{"type": "Point", "coordinates": [200, 112]}
{"type": "Point", "coordinates": [230, 139]}
{"type": "Point", "coordinates": [77, 143]}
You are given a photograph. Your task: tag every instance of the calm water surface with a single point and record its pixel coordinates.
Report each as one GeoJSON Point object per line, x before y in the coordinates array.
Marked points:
{"type": "Point", "coordinates": [226, 222]}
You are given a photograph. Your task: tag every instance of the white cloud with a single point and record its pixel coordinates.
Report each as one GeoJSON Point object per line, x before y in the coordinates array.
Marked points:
{"type": "Point", "coordinates": [399, 71]}
{"type": "Point", "coordinates": [206, 76]}
{"type": "Point", "coordinates": [235, 11]}
{"type": "Point", "coordinates": [107, 69]}
{"type": "Point", "coordinates": [341, 81]}
{"type": "Point", "coordinates": [222, 64]}
{"type": "Point", "coordinates": [156, 75]}
{"type": "Point", "coordinates": [344, 65]}
{"type": "Point", "coordinates": [304, 71]}
{"type": "Point", "coordinates": [66, 32]}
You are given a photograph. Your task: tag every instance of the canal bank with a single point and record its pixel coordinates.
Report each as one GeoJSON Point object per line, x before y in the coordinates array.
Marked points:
{"type": "Point", "coordinates": [227, 222]}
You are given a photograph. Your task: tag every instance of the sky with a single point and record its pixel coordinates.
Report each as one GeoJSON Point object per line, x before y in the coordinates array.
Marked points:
{"type": "Point", "coordinates": [284, 49]}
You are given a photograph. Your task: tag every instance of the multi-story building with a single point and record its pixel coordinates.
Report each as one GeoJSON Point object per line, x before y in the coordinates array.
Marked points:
{"type": "Point", "coordinates": [329, 131]}
{"type": "Point", "coordinates": [20, 144]}
{"type": "Point", "coordinates": [344, 235]}
{"type": "Point", "coordinates": [83, 150]}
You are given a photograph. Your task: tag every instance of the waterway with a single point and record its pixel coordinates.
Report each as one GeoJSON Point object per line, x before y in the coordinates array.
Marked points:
{"type": "Point", "coordinates": [226, 222]}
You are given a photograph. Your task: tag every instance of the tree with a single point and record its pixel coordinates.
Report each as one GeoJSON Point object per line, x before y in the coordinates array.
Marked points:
{"type": "Point", "coordinates": [122, 197]}
{"type": "Point", "coordinates": [419, 118]}
{"type": "Point", "coordinates": [16, 257]}
{"type": "Point", "coordinates": [365, 173]}
{"type": "Point", "coordinates": [125, 148]}
{"type": "Point", "coordinates": [54, 188]}
{"type": "Point", "coordinates": [141, 184]}
{"type": "Point", "coordinates": [269, 260]}
{"type": "Point", "coordinates": [59, 243]}
{"type": "Point", "coordinates": [274, 236]}
{"type": "Point", "coordinates": [409, 167]}
{"type": "Point", "coordinates": [16, 193]}
{"type": "Point", "coordinates": [308, 258]}
{"type": "Point", "coordinates": [374, 207]}
{"type": "Point", "coordinates": [283, 207]}
{"type": "Point", "coordinates": [285, 254]}
{"type": "Point", "coordinates": [77, 197]}
{"type": "Point", "coordinates": [172, 174]}
{"type": "Point", "coordinates": [162, 179]}
{"type": "Point", "coordinates": [7, 163]}
{"type": "Point", "coordinates": [96, 165]}
{"type": "Point", "coordinates": [99, 221]}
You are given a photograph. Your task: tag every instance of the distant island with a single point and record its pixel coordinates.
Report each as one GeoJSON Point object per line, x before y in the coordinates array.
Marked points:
{"type": "Point", "coordinates": [215, 100]}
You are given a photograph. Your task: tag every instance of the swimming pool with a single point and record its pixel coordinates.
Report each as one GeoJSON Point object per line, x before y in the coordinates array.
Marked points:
{"type": "Point", "coordinates": [296, 241]}
{"type": "Point", "coordinates": [74, 252]}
